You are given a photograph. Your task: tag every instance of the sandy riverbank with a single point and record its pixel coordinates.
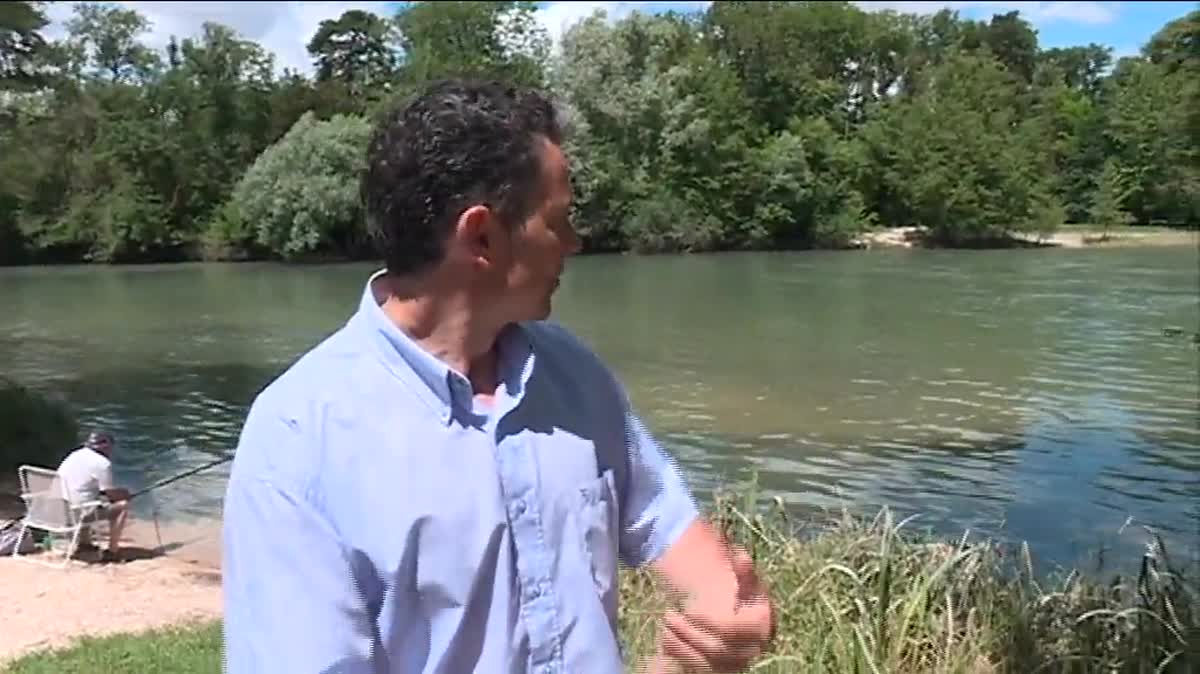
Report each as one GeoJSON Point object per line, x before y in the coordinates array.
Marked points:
{"type": "Point", "coordinates": [1070, 237]}
{"type": "Point", "coordinates": [48, 607]}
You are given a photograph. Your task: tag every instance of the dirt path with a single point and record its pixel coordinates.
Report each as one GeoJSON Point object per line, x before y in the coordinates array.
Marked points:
{"type": "Point", "coordinates": [49, 607]}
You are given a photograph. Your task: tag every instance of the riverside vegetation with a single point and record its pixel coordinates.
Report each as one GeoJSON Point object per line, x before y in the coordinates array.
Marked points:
{"type": "Point", "coordinates": [33, 428]}
{"type": "Point", "coordinates": [855, 595]}
{"type": "Point", "coordinates": [747, 126]}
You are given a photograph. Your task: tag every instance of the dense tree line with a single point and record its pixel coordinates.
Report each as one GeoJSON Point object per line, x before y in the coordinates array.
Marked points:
{"type": "Point", "coordinates": [748, 126]}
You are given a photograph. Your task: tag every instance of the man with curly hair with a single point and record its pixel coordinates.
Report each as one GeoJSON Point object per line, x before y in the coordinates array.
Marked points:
{"type": "Point", "coordinates": [448, 482]}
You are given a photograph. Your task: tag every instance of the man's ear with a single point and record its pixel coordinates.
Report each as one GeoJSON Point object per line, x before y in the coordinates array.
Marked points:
{"type": "Point", "coordinates": [475, 233]}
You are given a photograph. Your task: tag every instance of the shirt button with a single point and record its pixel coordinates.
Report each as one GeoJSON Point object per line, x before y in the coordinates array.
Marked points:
{"type": "Point", "coordinates": [519, 507]}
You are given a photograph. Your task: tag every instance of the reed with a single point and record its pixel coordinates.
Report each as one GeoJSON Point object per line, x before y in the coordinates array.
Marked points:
{"type": "Point", "coordinates": [872, 596]}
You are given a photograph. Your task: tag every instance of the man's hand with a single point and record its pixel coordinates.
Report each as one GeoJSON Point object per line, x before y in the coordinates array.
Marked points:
{"type": "Point", "coordinates": [719, 631]}
{"type": "Point", "coordinates": [117, 494]}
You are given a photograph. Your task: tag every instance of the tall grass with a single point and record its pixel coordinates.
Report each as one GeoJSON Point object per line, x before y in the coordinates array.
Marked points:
{"type": "Point", "coordinates": [33, 428]}
{"type": "Point", "coordinates": [871, 596]}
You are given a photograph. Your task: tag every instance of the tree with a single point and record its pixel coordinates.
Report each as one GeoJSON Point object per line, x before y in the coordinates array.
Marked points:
{"type": "Point", "coordinates": [1108, 201]}
{"type": "Point", "coordinates": [1079, 68]}
{"type": "Point", "coordinates": [1151, 113]}
{"type": "Point", "coordinates": [1013, 42]}
{"type": "Point", "coordinates": [301, 195]}
{"type": "Point", "coordinates": [107, 38]}
{"type": "Point", "coordinates": [957, 158]}
{"type": "Point", "coordinates": [472, 39]}
{"type": "Point", "coordinates": [20, 42]}
{"type": "Point", "coordinates": [355, 49]}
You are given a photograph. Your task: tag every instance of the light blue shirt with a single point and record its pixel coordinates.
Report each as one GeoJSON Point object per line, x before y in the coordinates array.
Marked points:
{"type": "Point", "coordinates": [377, 519]}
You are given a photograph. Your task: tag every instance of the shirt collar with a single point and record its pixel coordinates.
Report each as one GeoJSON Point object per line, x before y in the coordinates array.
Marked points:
{"type": "Point", "coordinates": [435, 382]}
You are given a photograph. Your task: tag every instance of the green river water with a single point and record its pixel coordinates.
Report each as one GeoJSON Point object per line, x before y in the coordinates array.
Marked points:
{"type": "Point", "coordinates": [1027, 394]}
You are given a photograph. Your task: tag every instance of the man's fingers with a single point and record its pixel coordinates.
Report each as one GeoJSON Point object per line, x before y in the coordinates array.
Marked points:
{"type": "Point", "coordinates": [743, 565]}
{"type": "Point", "coordinates": [675, 642]}
{"type": "Point", "coordinates": [698, 643]}
{"type": "Point", "coordinates": [749, 584]}
{"type": "Point", "coordinates": [750, 623]}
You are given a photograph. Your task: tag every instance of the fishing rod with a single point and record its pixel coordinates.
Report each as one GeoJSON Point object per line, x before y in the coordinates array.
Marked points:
{"type": "Point", "coordinates": [162, 483]}
{"type": "Point", "coordinates": [188, 473]}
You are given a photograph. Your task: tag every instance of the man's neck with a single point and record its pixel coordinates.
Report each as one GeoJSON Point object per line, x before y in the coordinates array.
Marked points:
{"type": "Point", "coordinates": [446, 327]}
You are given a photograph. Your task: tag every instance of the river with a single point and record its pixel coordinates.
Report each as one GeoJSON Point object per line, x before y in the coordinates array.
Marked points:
{"type": "Point", "coordinates": [1026, 394]}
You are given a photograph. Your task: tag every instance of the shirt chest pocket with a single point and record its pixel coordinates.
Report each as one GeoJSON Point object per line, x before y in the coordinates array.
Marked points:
{"type": "Point", "coordinates": [599, 529]}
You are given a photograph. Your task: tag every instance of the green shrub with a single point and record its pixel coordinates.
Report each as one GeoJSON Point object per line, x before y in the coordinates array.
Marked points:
{"type": "Point", "coordinates": [301, 195]}
{"type": "Point", "coordinates": [33, 428]}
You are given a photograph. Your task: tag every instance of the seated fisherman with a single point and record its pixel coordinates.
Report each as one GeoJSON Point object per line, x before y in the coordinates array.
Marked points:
{"type": "Point", "coordinates": [87, 475]}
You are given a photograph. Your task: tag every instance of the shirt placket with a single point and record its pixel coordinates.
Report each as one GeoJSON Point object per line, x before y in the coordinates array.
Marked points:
{"type": "Point", "coordinates": [539, 604]}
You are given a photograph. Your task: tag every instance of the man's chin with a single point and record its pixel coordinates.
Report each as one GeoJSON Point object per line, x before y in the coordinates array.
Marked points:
{"type": "Point", "coordinates": [547, 308]}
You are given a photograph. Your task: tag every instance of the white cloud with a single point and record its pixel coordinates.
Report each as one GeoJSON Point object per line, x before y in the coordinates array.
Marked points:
{"type": "Point", "coordinates": [1091, 13]}
{"type": "Point", "coordinates": [282, 28]}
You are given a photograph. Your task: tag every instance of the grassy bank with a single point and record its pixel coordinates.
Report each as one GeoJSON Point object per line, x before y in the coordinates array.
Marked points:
{"type": "Point", "coordinates": [873, 596]}
{"type": "Point", "coordinates": [183, 648]}
{"type": "Point", "coordinates": [859, 595]}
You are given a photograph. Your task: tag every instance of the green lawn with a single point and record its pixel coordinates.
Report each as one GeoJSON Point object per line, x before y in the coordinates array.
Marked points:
{"type": "Point", "coordinates": [862, 596]}
{"type": "Point", "coordinates": [187, 649]}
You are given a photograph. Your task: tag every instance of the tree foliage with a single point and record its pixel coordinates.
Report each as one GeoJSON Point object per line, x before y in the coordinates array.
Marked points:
{"type": "Point", "coordinates": [301, 195]}
{"type": "Point", "coordinates": [356, 49]}
{"type": "Point", "coordinates": [747, 126]}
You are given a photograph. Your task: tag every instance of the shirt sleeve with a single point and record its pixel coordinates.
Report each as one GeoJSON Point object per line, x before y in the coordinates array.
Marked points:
{"type": "Point", "coordinates": [292, 602]}
{"type": "Point", "coordinates": [658, 505]}
{"type": "Point", "coordinates": [104, 477]}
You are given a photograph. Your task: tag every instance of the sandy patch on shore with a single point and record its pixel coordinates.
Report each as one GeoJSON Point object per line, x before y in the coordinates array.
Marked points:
{"type": "Point", "coordinates": [910, 237]}
{"type": "Point", "coordinates": [49, 607]}
{"type": "Point", "coordinates": [1124, 237]}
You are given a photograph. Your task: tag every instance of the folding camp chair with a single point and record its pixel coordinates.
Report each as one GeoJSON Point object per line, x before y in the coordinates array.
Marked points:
{"type": "Point", "coordinates": [49, 508]}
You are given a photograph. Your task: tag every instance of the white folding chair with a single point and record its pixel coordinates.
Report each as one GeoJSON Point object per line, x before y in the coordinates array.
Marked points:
{"type": "Point", "coordinates": [49, 508]}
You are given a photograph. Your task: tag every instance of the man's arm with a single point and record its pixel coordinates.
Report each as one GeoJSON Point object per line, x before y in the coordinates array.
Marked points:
{"type": "Point", "coordinates": [291, 599]}
{"type": "Point", "coordinates": [661, 524]}
{"type": "Point", "coordinates": [698, 562]}
{"type": "Point", "coordinates": [657, 506]}
{"type": "Point", "coordinates": [104, 481]}
{"type": "Point", "coordinates": [726, 618]}
{"type": "Point", "coordinates": [116, 494]}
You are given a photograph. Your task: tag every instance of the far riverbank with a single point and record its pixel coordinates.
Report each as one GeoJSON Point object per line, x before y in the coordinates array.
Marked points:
{"type": "Point", "coordinates": [1066, 237]}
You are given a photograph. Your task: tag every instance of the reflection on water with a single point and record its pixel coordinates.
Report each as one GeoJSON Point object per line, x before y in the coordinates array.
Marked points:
{"type": "Point", "coordinates": [1030, 394]}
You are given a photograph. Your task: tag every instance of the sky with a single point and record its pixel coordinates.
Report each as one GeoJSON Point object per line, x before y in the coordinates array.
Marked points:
{"type": "Point", "coordinates": [285, 27]}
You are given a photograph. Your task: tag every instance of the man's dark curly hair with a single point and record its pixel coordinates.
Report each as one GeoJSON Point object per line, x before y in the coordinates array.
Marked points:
{"type": "Point", "coordinates": [458, 143]}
